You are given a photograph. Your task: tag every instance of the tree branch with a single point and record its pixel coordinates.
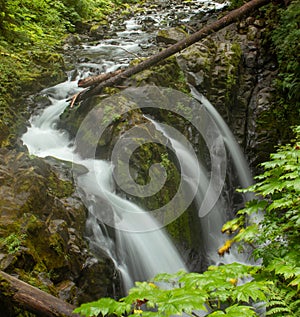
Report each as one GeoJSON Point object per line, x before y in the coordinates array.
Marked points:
{"type": "Point", "coordinates": [33, 299]}
{"type": "Point", "coordinates": [228, 19]}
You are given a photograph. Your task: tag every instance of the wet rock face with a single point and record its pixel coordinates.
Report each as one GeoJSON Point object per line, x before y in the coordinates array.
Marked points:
{"type": "Point", "coordinates": [117, 123]}
{"type": "Point", "coordinates": [233, 70]}
{"type": "Point", "coordinates": [42, 228]}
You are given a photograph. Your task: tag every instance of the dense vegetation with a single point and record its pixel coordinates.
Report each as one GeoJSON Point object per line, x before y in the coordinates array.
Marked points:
{"type": "Point", "coordinates": [31, 34]}
{"type": "Point", "coordinates": [283, 40]}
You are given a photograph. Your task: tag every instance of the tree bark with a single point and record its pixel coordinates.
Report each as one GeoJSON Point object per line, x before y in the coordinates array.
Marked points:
{"type": "Point", "coordinates": [92, 80]}
{"type": "Point", "coordinates": [228, 19]}
{"type": "Point", "coordinates": [32, 299]}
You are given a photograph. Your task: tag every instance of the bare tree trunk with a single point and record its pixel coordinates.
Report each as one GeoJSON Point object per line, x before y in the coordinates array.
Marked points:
{"type": "Point", "coordinates": [32, 299]}
{"type": "Point", "coordinates": [231, 17]}
{"type": "Point", "coordinates": [92, 80]}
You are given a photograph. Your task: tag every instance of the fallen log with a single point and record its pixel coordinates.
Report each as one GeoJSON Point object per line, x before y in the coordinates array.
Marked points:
{"type": "Point", "coordinates": [33, 299]}
{"type": "Point", "coordinates": [228, 19]}
{"type": "Point", "coordinates": [92, 80]}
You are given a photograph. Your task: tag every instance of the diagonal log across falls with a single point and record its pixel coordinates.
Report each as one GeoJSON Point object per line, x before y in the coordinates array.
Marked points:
{"type": "Point", "coordinates": [228, 19]}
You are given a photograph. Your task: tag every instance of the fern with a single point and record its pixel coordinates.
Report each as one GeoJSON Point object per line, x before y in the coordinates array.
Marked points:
{"type": "Point", "coordinates": [276, 238]}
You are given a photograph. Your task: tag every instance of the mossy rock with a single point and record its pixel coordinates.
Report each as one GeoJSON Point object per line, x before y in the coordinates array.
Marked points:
{"type": "Point", "coordinates": [166, 74]}
{"type": "Point", "coordinates": [42, 227]}
{"type": "Point", "coordinates": [23, 73]}
{"type": "Point", "coordinates": [171, 35]}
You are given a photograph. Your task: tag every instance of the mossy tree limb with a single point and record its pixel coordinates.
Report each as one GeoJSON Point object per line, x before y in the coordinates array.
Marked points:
{"type": "Point", "coordinates": [32, 299]}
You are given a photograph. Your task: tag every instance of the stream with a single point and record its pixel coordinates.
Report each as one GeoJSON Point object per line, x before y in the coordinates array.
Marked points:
{"type": "Point", "coordinates": [141, 247]}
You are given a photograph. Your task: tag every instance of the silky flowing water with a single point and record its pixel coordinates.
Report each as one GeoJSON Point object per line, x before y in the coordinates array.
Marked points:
{"type": "Point", "coordinates": [139, 252]}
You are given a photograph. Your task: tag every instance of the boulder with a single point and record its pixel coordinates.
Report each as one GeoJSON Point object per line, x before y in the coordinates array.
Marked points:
{"type": "Point", "coordinates": [171, 35]}
{"type": "Point", "coordinates": [42, 229]}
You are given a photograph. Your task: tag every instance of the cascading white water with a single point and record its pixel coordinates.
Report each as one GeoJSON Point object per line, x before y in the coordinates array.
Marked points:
{"type": "Point", "coordinates": [212, 223]}
{"type": "Point", "coordinates": [141, 254]}
{"type": "Point", "coordinates": [240, 163]}
{"type": "Point", "coordinates": [138, 255]}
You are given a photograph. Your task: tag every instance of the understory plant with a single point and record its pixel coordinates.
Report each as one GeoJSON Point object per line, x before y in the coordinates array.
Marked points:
{"type": "Point", "coordinates": [218, 291]}
{"type": "Point", "coordinates": [276, 238]}
{"type": "Point", "coordinates": [31, 36]}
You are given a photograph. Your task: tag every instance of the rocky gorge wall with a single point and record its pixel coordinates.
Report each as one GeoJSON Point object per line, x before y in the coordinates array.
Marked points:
{"type": "Point", "coordinates": [235, 71]}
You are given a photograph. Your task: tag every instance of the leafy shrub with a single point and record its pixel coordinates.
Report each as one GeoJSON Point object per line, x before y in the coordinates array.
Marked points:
{"type": "Point", "coordinates": [286, 40]}
{"type": "Point", "coordinates": [276, 238]}
{"type": "Point", "coordinates": [281, 40]}
{"type": "Point", "coordinates": [216, 291]}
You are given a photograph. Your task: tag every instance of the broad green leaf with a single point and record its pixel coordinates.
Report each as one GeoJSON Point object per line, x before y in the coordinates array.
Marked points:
{"type": "Point", "coordinates": [251, 290]}
{"type": "Point", "coordinates": [217, 313]}
{"type": "Point", "coordinates": [253, 206]}
{"type": "Point", "coordinates": [238, 311]}
{"type": "Point", "coordinates": [104, 306]}
{"type": "Point", "coordinates": [178, 300]}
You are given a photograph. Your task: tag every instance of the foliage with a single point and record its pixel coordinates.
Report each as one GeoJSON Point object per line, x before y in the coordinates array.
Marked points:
{"type": "Point", "coordinates": [31, 32]}
{"type": "Point", "coordinates": [281, 40]}
{"type": "Point", "coordinates": [286, 40]}
{"type": "Point", "coordinates": [236, 4]}
{"type": "Point", "coordinates": [218, 290]}
{"type": "Point", "coordinates": [276, 237]}
{"type": "Point", "coordinates": [13, 242]}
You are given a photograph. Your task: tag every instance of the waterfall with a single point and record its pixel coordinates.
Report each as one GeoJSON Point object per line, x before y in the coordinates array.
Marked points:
{"type": "Point", "coordinates": [138, 251]}
{"type": "Point", "coordinates": [212, 223]}
{"type": "Point", "coordinates": [240, 163]}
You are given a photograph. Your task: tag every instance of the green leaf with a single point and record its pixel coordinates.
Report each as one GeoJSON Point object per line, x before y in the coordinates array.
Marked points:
{"type": "Point", "coordinates": [253, 206]}
{"type": "Point", "coordinates": [238, 311]}
{"type": "Point", "coordinates": [181, 300]}
{"type": "Point", "coordinates": [235, 311]}
{"type": "Point", "coordinates": [217, 313]}
{"type": "Point", "coordinates": [251, 290]}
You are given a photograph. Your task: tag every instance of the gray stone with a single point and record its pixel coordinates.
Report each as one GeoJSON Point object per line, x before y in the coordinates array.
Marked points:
{"type": "Point", "coordinates": [171, 35]}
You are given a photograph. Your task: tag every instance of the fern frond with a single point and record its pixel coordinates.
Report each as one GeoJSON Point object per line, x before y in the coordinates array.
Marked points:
{"type": "Point", "coordinates": [275, 303]}
{"type": "Point", "coordinates": [277, 310]}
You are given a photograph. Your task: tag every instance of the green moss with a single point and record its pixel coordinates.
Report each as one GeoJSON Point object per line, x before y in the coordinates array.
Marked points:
{"type": "Point", "coordinates": [180, 229]}
{"type": "Point", "coordinates": [232, 61]}
{"type": "Point", "coordinates": [12, 242]}
{"type": "Point", "coordinates": [5, 287]}
{"type": "Point", "coordinates": [21, 73]}
{"type": "Point", "coordinates": [32, 279]}
{"type": "Point", "coordinates": [60, 188]}
{"type": "Point", "coordinates": [141, 160]}
{"type": "Point", "coordinates": [31, 33]}
{"type": "Point", "coordinates": [167, 74]}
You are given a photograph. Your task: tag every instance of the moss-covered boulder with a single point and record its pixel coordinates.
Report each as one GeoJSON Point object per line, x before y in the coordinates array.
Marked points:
{"type": "Point", "coordinates": [213, 67]}
{"type": "Point", "coordinates": [171, 35]}
{"type": "Point", "coordinates": [42, 228]}
{"type": "Point", "coordinates": [22, 74]}
{"type": "Point", "coordinates": [167, 74]}
{"type": "Point", "coordinates": [102, 124]}
{"type": "Point", "coordinates": [118, 123]}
